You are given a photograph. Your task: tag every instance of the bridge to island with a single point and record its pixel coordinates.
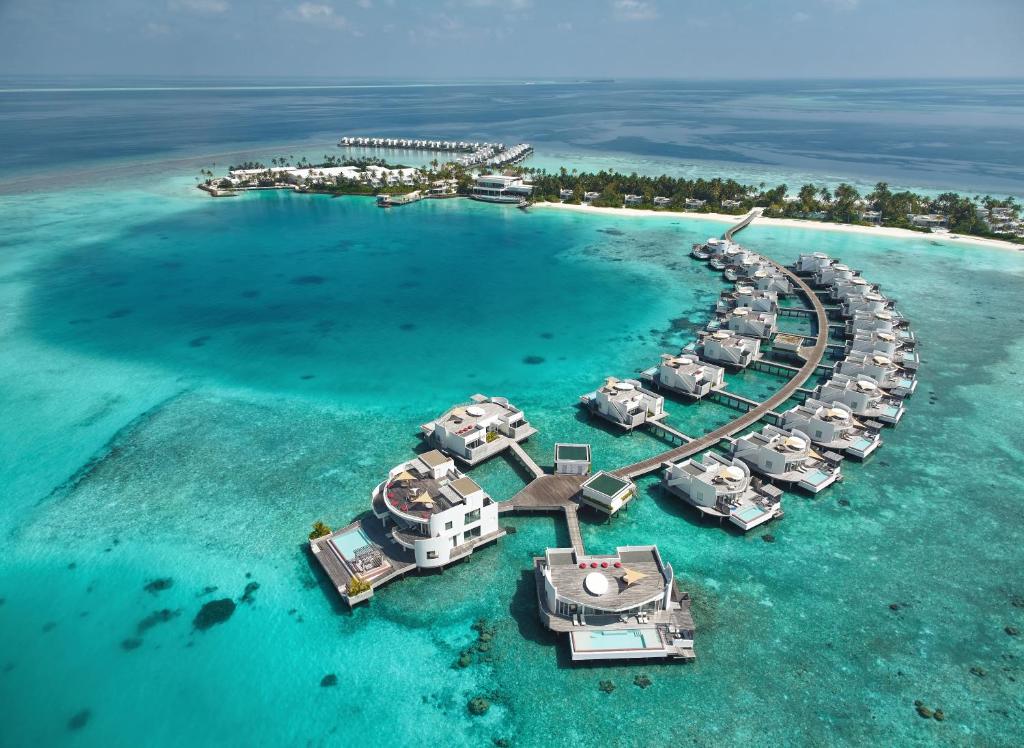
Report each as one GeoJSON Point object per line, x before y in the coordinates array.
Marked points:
{"type": "Point", "coordinates": [556, 493]}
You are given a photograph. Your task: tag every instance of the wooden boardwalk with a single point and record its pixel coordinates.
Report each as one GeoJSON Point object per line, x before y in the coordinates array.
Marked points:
{"type": "Point", "coordinates": [747, 219]}
{"type": "Point", "coordinates": [551, 493]}
{"type": "Point", "coordinates": [812, 359]}
{"type": "Point", "coordinates": [525, 460]}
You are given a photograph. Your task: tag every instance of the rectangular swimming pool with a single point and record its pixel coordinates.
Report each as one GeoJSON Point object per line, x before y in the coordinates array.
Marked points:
{"type": "Point", "coordinates": [749, 513]}
{"type": "Point", "coordinates": [617, 639]}
{"type": "Point", "coordinates": [350, 542]}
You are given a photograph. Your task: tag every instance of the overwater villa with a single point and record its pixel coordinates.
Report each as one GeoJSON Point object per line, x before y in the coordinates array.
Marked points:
{"type": "Point", "coordinates": [745, 321]}
{"type": "Point", "coordinates": [437, 512]}
{"type": "Point", "coordinates": [868, 302]}
{"type": "Point", "coordinates": [862, 396]}
{"type": "Point", "coordinates": [886, 343]}
{"type": "Point", "coordinates": [625, 403]}
{"type": "Point", "coordinates": [728, 348]}
{"type": "Point", "coordinates": [744, 266]}
{"type": "Point", "coordinates": [810, 264]}
{"type": "Point", "coordinates": [713, 246]}
{"type": "Point", "coordinates": [881, 322]}
{"type": "Point", "coordinates": [621, 606]}
{"type": "Point", "coordinates": [722, 488]}
{"type": "Point", "coordinates": [829, 274]}
{"type": "Point", "coordinates": [606, 492]}
{"type": "Point", "coordinates": [771, 280]}
{"type": "Point", "coordinates": [686, 375]}
{"type": "Point", "coordinates": [882, 369]}
{"type": "Point", "coordinates": [472, 433]}
{"type": "Point", "coordinates": [498, 188]}
{"type": "Point", "coordinates": [725, 255]}
{"type": "Point", "coordinates": [746, 295]}
{"type": "Point", "coordinates": [572, 459]}
{"type": "Point", "coordinates": [788, 457]}
{"type": "Point", "coordinates": [832, 426]}
{"type": "Point", "coordinates": [843, 290]}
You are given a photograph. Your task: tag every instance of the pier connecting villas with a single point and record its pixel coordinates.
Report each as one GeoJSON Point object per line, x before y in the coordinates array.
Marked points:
{"type": "Point", "coordinates": [428, 511]}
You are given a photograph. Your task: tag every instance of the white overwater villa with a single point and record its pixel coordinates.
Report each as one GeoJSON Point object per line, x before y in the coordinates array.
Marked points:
{"type": "Point", "coordinates": [871, 301]}
{"type": "Point", "coordinates": [886, 343]}
{"type": "Point", "coordinates": [788, 457]}
{"type": "Point", "coordinates": [881, 322]}
{"type": "Point", "coordinates": [479, 430]}
{"type": "Point", "coordinates": [746, 295]}
{"type": "Point", "coordinates": [810, 264]}
{"type": "Point", "coordinates": [882, 369]}
{"type": "Point", "coordinates": [686, 375]}
{"type": "Point", "coordinates": [438, 513]}
{"type": "Point", "coordinates": [745, 321]}
{"type": "Point", "coordinates": [831, 273]}
{"type": "Point", "coordinates": [862, 396]}
{"type": "Point", "coordinates": [770, 279]}
{"type": "Point", "coordinates": [728, 348]}
{"type": "Point", "coordinates": [625, 403]}
{"type": "Point", "coordinates": [718, 487]}
{"type": "Point", "coordinates": [620, 606]}
{"type": "Point", "coordinates": [832, 426]}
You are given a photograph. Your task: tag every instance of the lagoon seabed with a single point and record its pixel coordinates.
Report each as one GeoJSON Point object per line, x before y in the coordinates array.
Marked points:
{"type": "Point", "coordinates": [188, 384]}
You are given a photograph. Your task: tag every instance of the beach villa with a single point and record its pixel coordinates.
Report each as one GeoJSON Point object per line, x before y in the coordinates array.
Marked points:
{"type": "Point", "coordinates": [620, 606]}
{"type": "Point", "coordinates": [474, 432]}
{"type": "Point", "coordinates": [499, 188]}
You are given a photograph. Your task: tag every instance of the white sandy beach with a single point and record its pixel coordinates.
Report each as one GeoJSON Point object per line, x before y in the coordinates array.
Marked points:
{"type": "Point", "coordinates": [789, 223]}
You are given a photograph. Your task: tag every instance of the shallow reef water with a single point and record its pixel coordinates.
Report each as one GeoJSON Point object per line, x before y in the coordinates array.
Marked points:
{"type": "Point", "coordinates": [188, 384]}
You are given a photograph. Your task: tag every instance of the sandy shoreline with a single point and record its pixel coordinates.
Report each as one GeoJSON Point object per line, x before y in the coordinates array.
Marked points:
{"type": "Point", "coordinates": [789, 223]}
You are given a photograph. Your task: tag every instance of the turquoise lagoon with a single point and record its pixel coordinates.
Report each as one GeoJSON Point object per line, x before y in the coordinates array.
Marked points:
{"type": "Point", "coordinates": [187, 384]}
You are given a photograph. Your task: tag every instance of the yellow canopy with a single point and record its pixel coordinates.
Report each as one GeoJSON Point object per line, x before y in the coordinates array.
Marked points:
{"type": "Point", "coordinates": [631, 577]}
{"type": "Point", "coordinates": [404, 475]}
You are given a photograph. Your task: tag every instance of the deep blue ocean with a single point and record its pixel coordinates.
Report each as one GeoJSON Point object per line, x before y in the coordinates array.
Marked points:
{"type": "Point", "coordinates": [186, 384]}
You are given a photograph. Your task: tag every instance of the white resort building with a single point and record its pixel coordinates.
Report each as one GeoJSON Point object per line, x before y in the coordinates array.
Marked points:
{"type": "Point", "coordinates": [686, 375]}
{"type": "Point", "coordinates": [438, 513]}
{"type": "Point", "coordinates": [886, 343]}
{"type": "Point", "coordinates": [718, 487]}
{"type": "Point", "coordinates": [788, 457]}
{"type": "Point", "coordinates": [498, 188]}
{"type": "Point", "coordinates": [728, 348]}
{"type": "Point", "coordinates": [620, 606]}
{"type": "Point", "coordinates": [625, 403]}
{"type": "Point", "coordinates": [881, 322]}
{"type": "Point", "coordinates": [745, 321]}
{"type": "Point", "coordinates": [832, 426]}
{"type": "Point", "coordinates": [480, 430]}
{"type": "Point", "coordinates": [747, 296]}
{"type": "Point", "coordinates": [862, 396]}
{"type": "Point", "coordinates": [810, 264]}
{"type": "Point", "coordinates": [606, 492]}
{"type": "Point", "coordinates": [881, 369]}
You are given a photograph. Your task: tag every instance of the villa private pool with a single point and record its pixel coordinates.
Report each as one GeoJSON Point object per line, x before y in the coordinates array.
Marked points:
{"type": "Point", "coordinates": [350, 542]}
{"type": "Point", "coordinates": [634, 643]}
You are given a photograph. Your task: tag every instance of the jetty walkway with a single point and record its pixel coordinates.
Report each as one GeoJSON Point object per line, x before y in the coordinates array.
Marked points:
{"type": "Point", "coordinates": [812, 359]}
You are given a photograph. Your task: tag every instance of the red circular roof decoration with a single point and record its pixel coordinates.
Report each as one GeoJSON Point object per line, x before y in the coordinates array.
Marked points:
{"type": "Point", "coordinates": [583, 566]}
{"type": "Point", "coordinates": [593, 564]}
{"type": "Point", "coordinates": [618, 565]}
{"type": "Point", "coordinates": [604, 564]}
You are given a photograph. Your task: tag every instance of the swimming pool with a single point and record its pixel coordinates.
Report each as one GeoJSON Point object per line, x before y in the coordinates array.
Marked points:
{"type": "Point", "coordinates": [815, 477]}
{"type": "Point", "coordinates": [617, 639]}
{"type": "Point", "coordinates": [748, 513]}
{"type": "Point", "coordinates": [350, 542]}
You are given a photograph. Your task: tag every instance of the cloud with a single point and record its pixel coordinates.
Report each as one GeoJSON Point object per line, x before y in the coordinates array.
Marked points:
{"type": "Point", "coordinates": [564, 26]}
{"type": "Point", "coordinates": [209, 7]}
{"type": "Point", "coordinates": [320, 14]}
{"type": "Point", "coordinates": [800, 17]}
{"type": "Point", "coordinates": [634, 10]}
{"type": "Point", "coordinates": [504, 4]}
{"type": "Point", "coordinates": [842, 4]}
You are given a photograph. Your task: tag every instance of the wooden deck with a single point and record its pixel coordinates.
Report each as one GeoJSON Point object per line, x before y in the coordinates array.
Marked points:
{"type": "Point", "coordinates": [551, 493]}
{"type": "Point", "coordinates": [525, 460]}
{"type": "Point", "coordinates": [812, 357]}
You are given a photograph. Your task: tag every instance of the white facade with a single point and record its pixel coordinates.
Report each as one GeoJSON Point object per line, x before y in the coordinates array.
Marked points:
{"type": "Point", "coordinates": [721, 487]}
{"type": "Point", "coordinates": [881, 369]}
{"type": "Point", "coordinates": [478, 430]}
{"type": "Point", "coordinates": [688, 375]}
{"type": "Point", "coordinates": [810, 264]}
{"type": "Point", "coordinates": [747, 296]}
{"type": "Point", "coordinates": [832, 426]}
{"type": "Point", "coordinates": [786, 456]}
{"type": "Point", "coordinates": [625, 403]}
{"type": "Point", "coordinates": [730, 349]}
{"type": "Point", "coordinates": [498, 188]}
{"type": "Point", "coordinates": [745, 321]}
{"type": "Point", "coordinates": [438, 513]}
{"type": "Point", "coordinates": [771, 280]}
{"type": "Point", "coordinates": [862, 396]}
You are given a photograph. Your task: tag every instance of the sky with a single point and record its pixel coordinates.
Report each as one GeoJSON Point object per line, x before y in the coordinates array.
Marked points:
{"type": "Point", "coordinates": [513, 39]}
